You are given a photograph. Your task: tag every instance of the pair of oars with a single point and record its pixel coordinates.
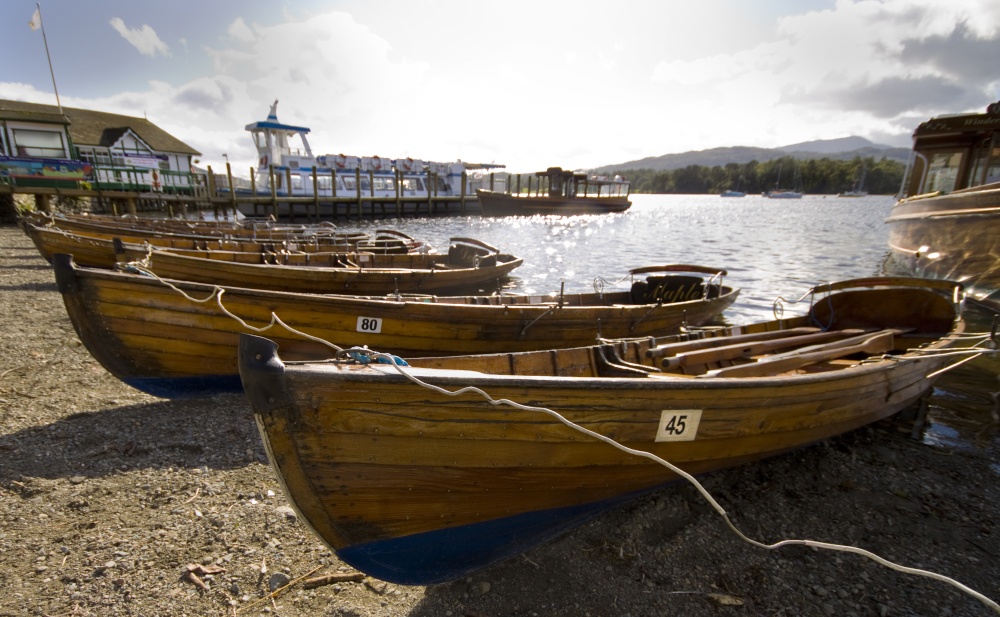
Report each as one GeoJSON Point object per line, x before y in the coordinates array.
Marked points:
{"type": "Point", "coordinates": [869, 343]}
{"type": "Point", "coordinates": [749, 348]}
{"type": "Point", "coordinates": [672, 349]}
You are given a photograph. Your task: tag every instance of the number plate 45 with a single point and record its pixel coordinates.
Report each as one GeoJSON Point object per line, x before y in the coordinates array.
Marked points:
{"type": "Point", "coordinates": [678, 424]}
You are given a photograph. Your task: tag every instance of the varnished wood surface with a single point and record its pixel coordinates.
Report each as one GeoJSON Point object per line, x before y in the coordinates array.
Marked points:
{"type": "Point", "coordinates": [368, 455]}
{"type": "Point", "coordinates": [954, 236]}
{"type": "Point", "coordinates": [465, 267]}
{"type": "Point", "coordinates": [139, 327]}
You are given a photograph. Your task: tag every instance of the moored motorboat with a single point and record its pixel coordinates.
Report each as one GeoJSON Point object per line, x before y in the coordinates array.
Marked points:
{"type": "Point", "coordinates": [424, 473]}
{"type": "Point", "coordinates": [946, 223]}
{"type": "Point", "coordinates": [560, 192]}
{"type": "Point", "coordinates": [175, 338]}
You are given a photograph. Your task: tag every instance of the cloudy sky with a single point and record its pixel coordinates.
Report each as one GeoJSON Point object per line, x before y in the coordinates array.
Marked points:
{"type": "Point", "coordinates": [526, 83]}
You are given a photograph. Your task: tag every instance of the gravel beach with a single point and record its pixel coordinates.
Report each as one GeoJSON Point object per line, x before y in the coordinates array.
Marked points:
{"type": "Point", "coordinates": [113, 502]}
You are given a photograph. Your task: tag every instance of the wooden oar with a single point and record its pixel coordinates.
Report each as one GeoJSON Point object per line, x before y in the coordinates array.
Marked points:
{"type": "Point", "coordinates": [847, 342]}
{"type": "Point", "coordinates": [668, 349]}
{"type": "Point", "coordinates": [879, 343]}
{"type": "Point", "coordinates": [745, 350]}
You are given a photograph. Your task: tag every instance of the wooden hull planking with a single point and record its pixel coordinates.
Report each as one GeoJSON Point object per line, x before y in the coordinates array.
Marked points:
{"type": "Point", "coordinates": [313, 272]}
{"type": "Point", "coordinates": [417, 487]}
{"type": "Point", "coordinates": [157, 340]}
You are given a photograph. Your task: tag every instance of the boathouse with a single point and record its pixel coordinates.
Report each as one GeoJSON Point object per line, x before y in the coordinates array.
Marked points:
{"type": "Point", "coordinates": [43, 144]}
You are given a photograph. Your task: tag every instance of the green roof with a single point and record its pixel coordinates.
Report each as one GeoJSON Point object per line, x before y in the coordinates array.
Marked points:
{"type": "Point", "coordinates": [95, 128]}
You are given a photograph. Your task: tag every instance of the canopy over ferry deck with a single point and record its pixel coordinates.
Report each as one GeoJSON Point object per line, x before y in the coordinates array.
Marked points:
{"type": "Point", "coordinates": [287, 167]}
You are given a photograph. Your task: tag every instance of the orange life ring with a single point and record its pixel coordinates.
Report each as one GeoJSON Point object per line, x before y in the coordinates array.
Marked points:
{"type": "Point", "coordinates": [341, 160]}
{"type": "Point", "coordinates": [263, 161]}
{"type": "Point", "coordinates": [377, 162]}
{"type": "Point", "coordinates": [408, 164]}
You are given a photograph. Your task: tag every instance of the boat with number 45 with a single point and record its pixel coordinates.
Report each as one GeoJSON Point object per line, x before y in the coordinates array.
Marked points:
{"type": "Point", "coordinates": [424, 473]}
{"type": "Point", "coordinates": [178, 339]}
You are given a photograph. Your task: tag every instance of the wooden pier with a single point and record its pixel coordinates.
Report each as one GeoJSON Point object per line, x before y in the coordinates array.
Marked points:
{"type": "Point", "coordinates": [208, 196]}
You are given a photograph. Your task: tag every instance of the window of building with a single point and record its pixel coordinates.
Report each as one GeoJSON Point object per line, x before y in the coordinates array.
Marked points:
{"type": "Point", "coordinates": [46, 144]}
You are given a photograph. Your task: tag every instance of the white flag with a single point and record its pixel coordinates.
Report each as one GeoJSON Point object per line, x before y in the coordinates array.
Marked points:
{"type": "Point", "coordinates": [36, 20]}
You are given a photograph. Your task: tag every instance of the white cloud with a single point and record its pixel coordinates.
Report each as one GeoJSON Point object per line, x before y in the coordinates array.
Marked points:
{"type": "Point", "coordinates": [144, 39]}
{"type": "Point", "coordinates": [239, 31]}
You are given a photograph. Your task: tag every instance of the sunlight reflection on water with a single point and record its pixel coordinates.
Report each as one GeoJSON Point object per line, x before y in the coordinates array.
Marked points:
{"type": "Point", "coordinates": [769, 247]}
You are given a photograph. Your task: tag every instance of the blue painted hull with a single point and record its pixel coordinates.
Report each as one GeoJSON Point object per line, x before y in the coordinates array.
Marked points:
{"type": "Point", "coordinates": [187, 387]}
{"type": "Point", "coordinates": [450, 554]}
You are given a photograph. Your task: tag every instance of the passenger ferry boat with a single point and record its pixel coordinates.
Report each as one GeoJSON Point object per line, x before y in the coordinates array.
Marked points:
{"type": "Point", "coordinates": [287, 167]}
{"type": "Point", "coordinates": [946, 223]}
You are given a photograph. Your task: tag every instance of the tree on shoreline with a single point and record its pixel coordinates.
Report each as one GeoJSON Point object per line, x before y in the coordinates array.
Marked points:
{"type": "Point", "coordinates": [819, 176]}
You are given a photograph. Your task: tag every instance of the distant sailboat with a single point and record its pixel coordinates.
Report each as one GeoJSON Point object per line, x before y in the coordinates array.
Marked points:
{"type": "Point", "coordinates": [780, 193]}
{"type": "Point", "coordinates": [859, 186]}
{"type": "Point", "coordinates": [736, 192]}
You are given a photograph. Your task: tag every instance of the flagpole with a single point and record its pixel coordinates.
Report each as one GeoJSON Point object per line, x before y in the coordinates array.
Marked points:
{"type": "Point", "coordinates": [45, 40]}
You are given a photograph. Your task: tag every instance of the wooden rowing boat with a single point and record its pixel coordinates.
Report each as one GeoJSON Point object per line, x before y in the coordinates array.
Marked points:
{"type": "Point", "coordinates": [100, 250]}
{"type": "Point", "coordinates": [180, 339]}
{"type": "Point", "coordinates": [469, 265]}
{"type": "Point", "coordinates": [414, 486]}
{"type": "Point", "coordinates": [171, 232]}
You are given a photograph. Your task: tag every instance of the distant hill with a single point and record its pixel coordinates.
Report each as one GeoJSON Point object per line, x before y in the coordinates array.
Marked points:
{"type": "Point", "coordinates": [844, 148]}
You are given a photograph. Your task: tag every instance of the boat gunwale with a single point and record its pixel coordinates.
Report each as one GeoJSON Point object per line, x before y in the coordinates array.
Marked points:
{"type": "Point", "coordinates": [654, 381]}
{"type": "Point", "coordinates": [402, 300]}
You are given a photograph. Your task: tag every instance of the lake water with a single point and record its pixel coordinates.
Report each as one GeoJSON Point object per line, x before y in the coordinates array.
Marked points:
{"type": "Point", "coordinates": [770, 248]}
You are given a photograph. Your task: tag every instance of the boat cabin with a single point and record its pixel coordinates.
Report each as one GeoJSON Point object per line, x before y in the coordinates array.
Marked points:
{"type": "Point", "coordinates": [954, 152]}
{"type": "Point", "coordinates": [569, 184]}
{"type": "Point", "coordinates": [286, 161]}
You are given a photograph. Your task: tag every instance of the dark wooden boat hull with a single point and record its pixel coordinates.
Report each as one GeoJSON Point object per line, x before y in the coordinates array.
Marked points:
{"type": "Point", "coordinates": [408, 273]}
{"type": "Point", "coordinates": [416, 487]}
{"type": "Point", "coordinates": [953, 236]}
{"type": "Point", "coordinates": [170, 342]}
{"type": "Point", "coordinates": [464, 268]}
{"type": "Point", "coordinates": [502, 204]}
{"type": "Point", "coordinates": [183, 234]}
